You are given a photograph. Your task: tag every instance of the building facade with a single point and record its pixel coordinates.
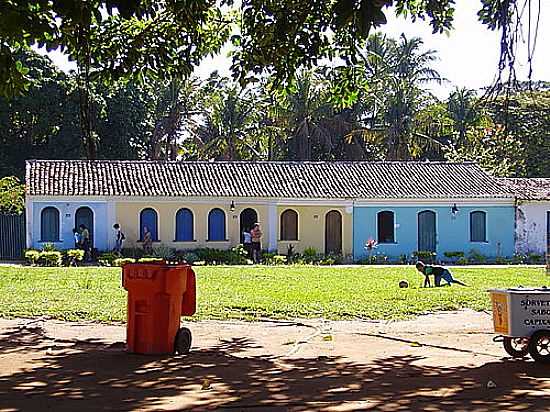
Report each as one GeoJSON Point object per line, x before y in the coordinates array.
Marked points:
{"type": "Point", "coordinates": [331, 207]}
{"type": "Point", "coordinates": [532, 214]}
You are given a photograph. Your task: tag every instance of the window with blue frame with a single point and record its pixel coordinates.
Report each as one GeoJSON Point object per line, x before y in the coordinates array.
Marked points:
{"type": "Point", "coordinates": [386, 227]}
{"type": "Point", "coordinates": [478, 226]}
{"type": "Point", "coordinates": [216, 225]}
{"type": "Point", "coordinates": [148, 218]}
{"type": "Point", "coordinates": [49, 225]}
{"type": "Point", "coordinates": [184, 225]}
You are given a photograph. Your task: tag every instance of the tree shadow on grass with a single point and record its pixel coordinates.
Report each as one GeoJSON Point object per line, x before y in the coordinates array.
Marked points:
{"type": "Point", "coordinates": [87, 375]}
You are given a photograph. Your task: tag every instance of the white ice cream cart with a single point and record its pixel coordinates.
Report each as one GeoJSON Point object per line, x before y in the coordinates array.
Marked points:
{"type": "Point", "coordinates": [521, 317]}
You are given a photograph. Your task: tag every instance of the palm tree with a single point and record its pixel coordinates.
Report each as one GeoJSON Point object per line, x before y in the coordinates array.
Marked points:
{"type": "Point", "coordinates": [176, 107]}
{"type": "Point", "coordinates": [396, 72]}
{"type": "Point", "coordinates": [230, 121]}
{"type": "Point", "coordinates": [462, 110]}
{"type": "Point", "coordinates": [303, 110]}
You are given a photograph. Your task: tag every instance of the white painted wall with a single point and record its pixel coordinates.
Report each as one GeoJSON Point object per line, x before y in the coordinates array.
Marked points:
{"type": "Point", "coordinates": [531, 229]}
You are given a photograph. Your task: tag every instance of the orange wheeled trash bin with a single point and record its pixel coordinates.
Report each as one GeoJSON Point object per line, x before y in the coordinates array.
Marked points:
{"type": "Point", "coordinates": [158, 295]}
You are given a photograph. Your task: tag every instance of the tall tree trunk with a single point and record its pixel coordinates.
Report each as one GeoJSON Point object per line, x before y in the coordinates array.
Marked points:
{"type": "Point", "coordinates": [83, 71]}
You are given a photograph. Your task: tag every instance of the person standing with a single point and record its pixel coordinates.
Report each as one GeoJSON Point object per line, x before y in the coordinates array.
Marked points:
{"type": "Point", "coordinates": [85, 241]}
{"type": "Point", "coordinates": [247, 243]}
{"type": "Point", "coordinates": [76, 236]}
{"type": "Point", "coordinates": [119, 239]}
{"type": "Point", "coordinates": [256, 234]}
{"type": "Point", "coordinates": [147, 241]}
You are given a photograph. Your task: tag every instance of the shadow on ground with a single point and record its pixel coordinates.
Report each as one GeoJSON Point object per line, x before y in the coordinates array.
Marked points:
{"type": "Point", "coordinates": [94, 376]}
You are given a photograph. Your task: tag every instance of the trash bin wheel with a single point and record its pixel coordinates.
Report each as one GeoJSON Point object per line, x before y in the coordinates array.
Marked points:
{"type": "Point", "coordinates": [516, 347]}
{"type": "Point", "coordinates": [539, 346]}
{"type": "Point", "coordinates": [183, 341]}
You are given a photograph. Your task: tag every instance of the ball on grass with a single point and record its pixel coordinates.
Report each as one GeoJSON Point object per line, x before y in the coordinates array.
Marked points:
{"type": "Point", "coordinates": [403, 284]}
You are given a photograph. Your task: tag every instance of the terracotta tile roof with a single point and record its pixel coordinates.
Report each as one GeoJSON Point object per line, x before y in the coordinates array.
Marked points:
{"type": "Point", "coordinates": [528, 189]}
{"type": "Point", "coordinates": [293, 180]}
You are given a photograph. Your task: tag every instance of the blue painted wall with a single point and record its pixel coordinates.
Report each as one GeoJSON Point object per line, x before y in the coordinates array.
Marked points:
{"type": "Point", "coordinates": [67, 210]}
{"type": "Point", "coordinates": [453, 234]}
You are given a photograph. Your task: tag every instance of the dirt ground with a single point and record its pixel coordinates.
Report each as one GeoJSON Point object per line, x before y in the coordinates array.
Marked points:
{"type": "Point", "coordinates": [440, 362]}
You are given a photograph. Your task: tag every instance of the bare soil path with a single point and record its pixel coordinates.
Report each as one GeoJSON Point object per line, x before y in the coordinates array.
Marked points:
{"type": "Point", "coordinates": [439, 362]}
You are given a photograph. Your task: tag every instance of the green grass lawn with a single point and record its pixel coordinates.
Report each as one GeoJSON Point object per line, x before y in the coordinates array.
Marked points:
{"type": "Point", "coordinates": [253, 292]}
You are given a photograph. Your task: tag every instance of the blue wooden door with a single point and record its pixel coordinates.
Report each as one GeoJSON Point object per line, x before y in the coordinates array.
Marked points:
{"type": "Point", "coordinates": [216, 225]}
{"type": "Point", "coordinates": [149, 220]}
{"type": "Point", "coordinates": [427, 236]}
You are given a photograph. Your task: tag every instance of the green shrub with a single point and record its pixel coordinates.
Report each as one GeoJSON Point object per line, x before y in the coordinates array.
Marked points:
{"type": "Point", "coordinates": [73, 256]}
{"type": "Point", "coordinates": [426, 256]}
{"type": "Point", "coordinates": [327, 261]}
{"type": "Point", "coordinates": [48, 247]}
{"type": "Point", "coordinates": [274, 260]}
{"type": "Point", "coordinates": [499, 260]}
{"type": "Point", "coordinates": [403, 259]}
{"type": "Point", "coordinates": [476, 257]}
{"type": "Point", "coordinates": [367, 260]}
{"type": "Point", "coordinates": [462, 261]}
{"type": "Point", "coordinates": [212, 256]}
{"type": "Point", "coordinates": [50, 258]}
{"type": "Point", "coordinates": [150, 260]}
{"type": "Point", "coordinates": [452, 255]}
{"type": "Point", "coordinates": [107, 259]}
{"type": "Point", "coordinates": [164, 252]}
{"type": "Point", "coordinates": [534, 258]}
{"type": "Point", "coordinates": [189, 257]}
{"type": "Point", "coordinates": [32, 256]}
{"type": "Point", "coordinates": [132, 252]}
{"type": "Point", "coordinates": [310, 255]}
{"type": "Point", "coordinates": [519, 259]}
{"type": "Point", "coordinates": [233, 256]}
{"type": "Point", "coordinates": [238, 256]}
{"type": "Point", "coordinates": [122, 261]}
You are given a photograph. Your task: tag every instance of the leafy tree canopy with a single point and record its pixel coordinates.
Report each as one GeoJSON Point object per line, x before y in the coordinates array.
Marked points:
{"type": "Point", "coordinates": [114, 39]}
{"type": "Point", "coordinates": [12, 195]}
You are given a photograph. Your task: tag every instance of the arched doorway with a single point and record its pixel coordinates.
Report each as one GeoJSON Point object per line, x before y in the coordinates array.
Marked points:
{"type": "Point", "coordinates": [333, 232]}
{"type": "Point", "coordinates": [427, 235]}
{"type": "Point", "coordinates": [85, 216]}
{"type": "Point", "coordinates": [247, 219]}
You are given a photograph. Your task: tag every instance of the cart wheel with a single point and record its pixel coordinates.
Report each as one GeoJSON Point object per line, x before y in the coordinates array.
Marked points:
{"type": "Point", "coordinates": [539, 346]}
{"type": "Point", "coordinates": [516, 347]}
{"type": "Point", "coordinates": [183, 341]}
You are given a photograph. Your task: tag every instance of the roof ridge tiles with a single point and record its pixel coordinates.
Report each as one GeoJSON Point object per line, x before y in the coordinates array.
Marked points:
{"type": "Point", "coordinates": [265, 179]}
{"type": "Point", "coordinates": [290, 162]}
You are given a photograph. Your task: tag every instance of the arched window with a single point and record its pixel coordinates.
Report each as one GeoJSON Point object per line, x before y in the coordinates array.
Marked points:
{"type": "Point", "coordinates": [49, 225]}
{"type": "Point", "coordinates": [148, 219]}
{"type": "Point", "coordinates": [184, 225]}
{"type": "Point", "coordinates": [386, 227]}
{"type": "Point", "coordinates": [478, 226]}
{"type": "Point", "coordinates": [289, 225]}
{"type": "Point", "coordinates": [216, 225]}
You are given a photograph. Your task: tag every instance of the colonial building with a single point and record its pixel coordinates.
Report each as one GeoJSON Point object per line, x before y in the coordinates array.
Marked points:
{"type": "Point", "coordinates": [333, 207]}
{"type": "Point", "coordinates": [532, 213]}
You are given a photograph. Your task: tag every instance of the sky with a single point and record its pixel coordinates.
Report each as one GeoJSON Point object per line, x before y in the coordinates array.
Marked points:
{"type": "Point", "coordinates": [468, 55]}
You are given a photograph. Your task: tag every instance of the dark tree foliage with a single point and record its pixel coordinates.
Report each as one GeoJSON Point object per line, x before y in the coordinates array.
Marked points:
{"type": "Point", "coordinates": [43, 123]}
{"type": "Point", "coordinates": [113, 39]}
{"type": "Point", "coordinates": [526, 115]}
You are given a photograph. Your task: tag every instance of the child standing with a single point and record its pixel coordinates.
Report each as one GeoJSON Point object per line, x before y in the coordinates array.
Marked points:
{"type": "Point", "coordinates": [119, 238]}
{"type": "Point", "coordinates": [76, 235]}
